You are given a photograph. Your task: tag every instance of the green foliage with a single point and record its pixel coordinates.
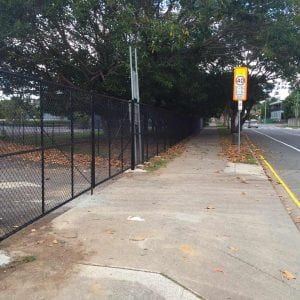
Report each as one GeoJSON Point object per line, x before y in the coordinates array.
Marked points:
{"type": "Point", "coordinates": [187, 49]}
{"type": "Point", "coordinates": [17, 109]}
{"type": "Point", "coordinates": [28, 259]}
{"type": "Point", "coordinates": [291, 105]}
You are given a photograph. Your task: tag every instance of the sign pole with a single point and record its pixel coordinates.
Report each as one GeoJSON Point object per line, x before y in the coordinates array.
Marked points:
{"type": "Point", "coordinates": [240, 106]}
{"type": "Point", "coordinates": [240, 86]}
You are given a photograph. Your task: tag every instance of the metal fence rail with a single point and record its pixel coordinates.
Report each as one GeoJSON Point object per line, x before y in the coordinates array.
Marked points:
{"type": "Point", "coordinates": [57, 142]}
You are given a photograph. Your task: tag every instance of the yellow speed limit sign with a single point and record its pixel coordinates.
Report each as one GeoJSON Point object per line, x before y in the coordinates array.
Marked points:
{"type": "Point", "coordinates": [240, 84]}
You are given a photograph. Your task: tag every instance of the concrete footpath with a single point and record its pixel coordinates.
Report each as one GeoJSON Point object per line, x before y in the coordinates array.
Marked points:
{"type": "Point", "coordinates": [199, 228]}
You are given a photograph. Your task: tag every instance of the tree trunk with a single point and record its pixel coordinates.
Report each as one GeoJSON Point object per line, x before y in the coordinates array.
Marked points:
{"type": "Point", "coordinates": [234, 122]}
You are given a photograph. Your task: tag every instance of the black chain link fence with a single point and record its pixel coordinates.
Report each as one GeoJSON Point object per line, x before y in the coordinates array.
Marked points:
{"type": "Point", "coordinates": [57, 143]}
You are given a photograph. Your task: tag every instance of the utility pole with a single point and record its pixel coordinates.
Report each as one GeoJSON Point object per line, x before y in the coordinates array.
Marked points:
{"type": "Point", "coordinates": [265, 112]}
{"type": "Point", "coordinates": [135, 95]}
{"type": "Point", "coordinates": [296, 107]}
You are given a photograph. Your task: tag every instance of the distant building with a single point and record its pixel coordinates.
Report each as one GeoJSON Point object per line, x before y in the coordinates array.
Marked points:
{"type": "Point", "coordinates": [276, 109]}
{"type": "Point", "coordinates": [49, 117]}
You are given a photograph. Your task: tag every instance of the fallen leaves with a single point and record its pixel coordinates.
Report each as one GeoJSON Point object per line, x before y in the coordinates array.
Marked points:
{"type": "Point", "coordinates": [287, 275]}
{"type": "Point", "coordinates": [61, 158]}
{"type": "Point", "coordinates": [137, 239]}
{"type": "Point", "coordinates": [297, 219]}
{"type": "Point", "coordinates": [109, 231]}
{"type": "Point", "coordinates": [187, 249]}
{"type": "Point", "coordinates": [231, 151]}
{"type": "Point", "coordinates": [234, 249]}
{"type": "Point", "coordinates": [218, 270]}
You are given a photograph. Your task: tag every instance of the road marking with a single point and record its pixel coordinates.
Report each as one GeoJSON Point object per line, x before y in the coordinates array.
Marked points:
{"type": "Point", "coordinates": [288, 190]}
{"type": "Point", "coordinates": [270, 137]}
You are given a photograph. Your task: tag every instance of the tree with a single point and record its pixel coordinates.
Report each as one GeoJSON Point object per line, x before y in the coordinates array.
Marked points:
{"type": "Point", "coordinates": [291, 105]}
{"type": "Point", "coordinates": [17, 109]}
{"type": "Point", "coordinates": [187, 49]}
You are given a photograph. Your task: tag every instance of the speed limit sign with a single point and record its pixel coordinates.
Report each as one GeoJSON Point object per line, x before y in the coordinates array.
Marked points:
{"type": "Point", "coordinates": [240, 84]}
{"type": "Point", "coordinates": [240, 80]}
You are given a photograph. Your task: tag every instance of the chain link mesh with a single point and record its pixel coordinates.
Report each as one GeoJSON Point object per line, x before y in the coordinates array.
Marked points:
{"type": "Point", "coordinates": [57, 142]}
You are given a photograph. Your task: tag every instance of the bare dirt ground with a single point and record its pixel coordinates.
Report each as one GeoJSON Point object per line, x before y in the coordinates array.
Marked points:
{"type": "Point", "coordinates": [41, 255]}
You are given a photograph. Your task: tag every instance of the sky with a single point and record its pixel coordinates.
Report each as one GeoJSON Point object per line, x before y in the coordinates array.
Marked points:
{"type": "Point", "coordinates": [281, 90]}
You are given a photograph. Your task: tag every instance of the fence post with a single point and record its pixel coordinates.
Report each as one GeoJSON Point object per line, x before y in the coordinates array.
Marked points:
{"type": "Point", "coordinates": [122, 133]}
{"type": "Point", "coordinates": [132, 134]}
{"type": "Point", "coordinates": [52, 138]}
{"type": "Point", "coordinates": [42, 145]}
{"type": "Point", "coordinates": [109, 138]}
{"type": "Point", "coordinates": [35, 134]}
{"type": "Point", "coordinates": [72, 144]}
{"type": "Point", "coordinates": [98, 137]}
{"type": "Point", "coordinates": [23, 132]}
{"type": "Point", "coordinates": [156, 135]}
{"type": "Point", "coordinates": [13, 130]}
{"type": "Point", "coordinates": [93, 184]}
{"type": "Point", "coordinates": [142, 132]}
{"type": "Point", "coordinates": [165, 136]}
{"type": "Point", "coordinates": [147, 134]}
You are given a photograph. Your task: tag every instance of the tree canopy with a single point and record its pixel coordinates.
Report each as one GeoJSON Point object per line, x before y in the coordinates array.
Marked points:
{"type": "Point", "coordinates": [291, 104]}
{"type": "Point", "coordinates": [187, 48]}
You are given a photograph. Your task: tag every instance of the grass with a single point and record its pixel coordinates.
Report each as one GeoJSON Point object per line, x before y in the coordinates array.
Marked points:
{"type": "Point", "coordinates": [156, 163]}
{"type": "Point", "coordinates": [28, 259]}
{"type": "Point", "coordinates": [223, 131]}
{"type": "Point", "coordinates": [19, 261]}
{"type": "Point", "coordinates": [162, 160]}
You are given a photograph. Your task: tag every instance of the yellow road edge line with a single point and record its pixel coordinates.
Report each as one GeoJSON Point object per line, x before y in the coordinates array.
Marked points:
{"type": "Point", "coordinates": [288, 190]}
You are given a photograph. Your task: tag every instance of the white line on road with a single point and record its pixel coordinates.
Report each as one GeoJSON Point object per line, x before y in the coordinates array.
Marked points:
{"type": "Point", "coordinates": [283, 143]}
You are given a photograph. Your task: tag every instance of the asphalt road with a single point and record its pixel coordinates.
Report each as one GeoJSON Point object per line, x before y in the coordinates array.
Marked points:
{"type": "Point", "coordinates": [281, 148]}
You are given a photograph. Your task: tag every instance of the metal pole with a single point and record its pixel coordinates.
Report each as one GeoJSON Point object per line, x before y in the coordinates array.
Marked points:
{"type": "Point", "coordinates": [122, 133]}
{"type": "Point", "coordinates": [36, 134]}
{"type": "Point", "coordinates": [138, 108]}
{"type": "Point", "coordinates": [131, 74]}
{"type": "Point", "coordinates": [52, 132]}
{"type": "Point", "coordinates": [23, 132]}
{"type": "Point", "coordinates": [109, 144]}
{"type": "Point", "coordinates": [13, 130]}
{"type": "Point", "coordinates": [93, 146]}
{"type": "Point", "coordinates": [239, 124]}
{"type": "Point", "coordinates": [265, 111]}
{"type": "Point", "coordinates": [98, 137]}
{"type": "Point", "coordinates": [133, 97]}
{"type": "Point", "coordinates": [132, 135]}
{"type": "Point", "coordinates": [72, 144]}
{"type": "Point", "coordinates": [42, 147]}
{"type": "Point", "coordinates": [156, 135]}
